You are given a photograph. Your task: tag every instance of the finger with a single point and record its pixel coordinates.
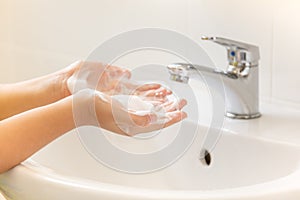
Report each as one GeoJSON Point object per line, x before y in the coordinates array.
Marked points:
{"type": "Point", "coordinates": [147, 87]}
{"type": "Point", "coordinates": [162, 91]}
{"type": "Point", "coordinates": [182, 103]}
{"type": "Point", "coordinates": [168, 92]}
{"type": "Point", "coordinates": [111, 87]}
{"type": "Point", "coordinates": [176, 105]}
{"type": "Point", "coordinates": [143, 124]}
{"type": "Point", "coordinates": [170, 106]}
{"type": "Point", "coordinates": [154, 102]}
{"type": "Point", "coordinates": [152, 90]}
{"type": "Point", "coordinates": [157, 93]}
{"type": "Point", "coordinates": [115, 71]}
{"type": "Point", "coordinates": [166, 105]}
{"type": "Point", "coordinates": [175, 117]}
{"type": "Point", "coordinates": [125, 73]}
{"type": "Point", "coordinates": [160, 100]}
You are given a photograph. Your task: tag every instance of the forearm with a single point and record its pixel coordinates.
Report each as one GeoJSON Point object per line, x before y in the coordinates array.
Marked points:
{"type": "Point", "coordinates": [19, 97]}
{"type": "Point", "coordinates": [24, 134]}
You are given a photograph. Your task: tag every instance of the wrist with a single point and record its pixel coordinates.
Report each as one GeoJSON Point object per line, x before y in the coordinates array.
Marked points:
{"type": "Point", "coordinates": [83, 107]}
{"type": "Point", "coordinates": [60, 85]}
{"type": "Point", "coordinates": [62, 78]}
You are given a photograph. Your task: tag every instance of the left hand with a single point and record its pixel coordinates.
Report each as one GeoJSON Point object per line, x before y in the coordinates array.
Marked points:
{"type": "Point", "coordinates": [110, 80]}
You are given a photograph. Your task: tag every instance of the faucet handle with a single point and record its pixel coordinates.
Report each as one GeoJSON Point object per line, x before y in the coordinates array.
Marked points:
{"type": "Point", "coordinates": [239, 54]}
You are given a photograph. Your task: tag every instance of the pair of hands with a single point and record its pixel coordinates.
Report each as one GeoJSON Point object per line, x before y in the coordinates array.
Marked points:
{"type": "Point", "coordinates": [120, 104]}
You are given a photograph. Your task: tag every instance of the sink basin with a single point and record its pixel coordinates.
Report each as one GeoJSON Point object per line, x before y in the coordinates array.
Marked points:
{"type": "Point", "coordinates": [238, 167]}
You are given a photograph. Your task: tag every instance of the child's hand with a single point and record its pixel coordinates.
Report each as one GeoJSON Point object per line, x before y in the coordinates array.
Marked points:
{"type": "Point", "coordinates": [110, 80]}
{"type": "Point", "coordinates": [122, 115]}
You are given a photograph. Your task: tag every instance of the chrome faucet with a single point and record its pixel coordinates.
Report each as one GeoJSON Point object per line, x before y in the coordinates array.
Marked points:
{"type": "Point", "coordinates": [240, 79]}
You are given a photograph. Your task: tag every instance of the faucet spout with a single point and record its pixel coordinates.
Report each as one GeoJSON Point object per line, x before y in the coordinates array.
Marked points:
{"type": "Point", "coordinates": [240, 80]}
{"type": "Point", "coordinates": [241, 91]}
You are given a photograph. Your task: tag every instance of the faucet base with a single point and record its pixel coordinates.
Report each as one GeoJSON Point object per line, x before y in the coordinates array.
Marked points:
{"type": "Point", "coordinates": [242, 116]}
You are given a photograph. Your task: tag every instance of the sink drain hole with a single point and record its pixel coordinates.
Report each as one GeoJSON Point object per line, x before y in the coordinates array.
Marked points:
{"type": "Point", "coordinates": [205, 157]}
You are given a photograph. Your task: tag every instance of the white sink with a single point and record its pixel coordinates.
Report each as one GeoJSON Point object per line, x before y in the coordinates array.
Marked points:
{"type": "Point", "coordinates": [241, 167]}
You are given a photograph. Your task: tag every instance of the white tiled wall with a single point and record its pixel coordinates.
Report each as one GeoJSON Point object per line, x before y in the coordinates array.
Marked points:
{"type": "Point", "coordinates": [39, 37]}
{"type": "Point", "coordinates": [286, 52]}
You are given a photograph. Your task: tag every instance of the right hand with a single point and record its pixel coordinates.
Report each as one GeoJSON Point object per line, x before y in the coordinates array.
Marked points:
{"type": "Point", "coordinates": [112, 116]}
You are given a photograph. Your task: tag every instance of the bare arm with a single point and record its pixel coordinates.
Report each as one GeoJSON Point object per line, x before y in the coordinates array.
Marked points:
{"type": "Point", "coordinates": [24, 134]}
{"type": "Point", "coordinates": [19, 97]}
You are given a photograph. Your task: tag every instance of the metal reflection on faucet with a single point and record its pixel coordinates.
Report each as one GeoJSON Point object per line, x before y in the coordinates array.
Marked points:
{"type": "Point", "coordinates": [240, 78]}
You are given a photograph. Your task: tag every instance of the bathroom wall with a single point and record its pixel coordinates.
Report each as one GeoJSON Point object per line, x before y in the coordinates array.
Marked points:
{"type": "Point", "coordinates": [41, 36]}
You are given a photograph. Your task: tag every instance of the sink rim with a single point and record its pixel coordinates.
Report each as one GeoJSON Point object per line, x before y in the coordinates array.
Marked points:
{"type": "Point", "coordinates": [35, 166]}
{"type": "Point", "coordinates": [30, 170]}
{"type": "Point", "coordinates": [62, 170]}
